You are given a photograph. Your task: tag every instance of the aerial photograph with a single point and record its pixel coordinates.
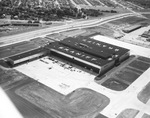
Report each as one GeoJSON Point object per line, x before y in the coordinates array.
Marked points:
{"type": "Point", "coordinates": [74, 58]}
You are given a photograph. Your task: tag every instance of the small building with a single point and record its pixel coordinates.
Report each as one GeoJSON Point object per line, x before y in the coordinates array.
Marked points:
{"type": "Point", "coordinates": [26, 56]}
{"type": "Point", "coordinates": [131, 28]}
{"type": "Point", "coordinates": [24, 24]}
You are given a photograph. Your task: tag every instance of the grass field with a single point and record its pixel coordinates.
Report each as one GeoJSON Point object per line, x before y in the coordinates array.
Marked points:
{"type": "Point", "coordinates": [140, 65]}
{"type": "Point", "coordinates": [10, 77]}
{"type": "Point", "coordinates": [129, 20]}
{"type": "Point", "coordinates": [127, 75]}
{"type": "Point", "coordinates": [128, 113]}
{"type": "Point", "coordinates": [114, 84]}
{"type": "Point", "coordinates": [10, 81]}
{"type": "Point", "coordinates": [144, 95]}
{"type": "Point", "coordinates": [146, 15]}
{"type": "Point", "coordinates": [16, 48]}
{"type": "Point", "coordinates": [17, 30]}
{"type": "Point", "coordinates": [146, 116]}
{"type": "Point", "coordinates": [106, 31]}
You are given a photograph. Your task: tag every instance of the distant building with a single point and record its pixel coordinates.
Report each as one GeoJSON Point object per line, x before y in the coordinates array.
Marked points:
{"type": "Point", "coordinates": [24, 24]}
{"type": "Point", "coordinates": [131, 28]}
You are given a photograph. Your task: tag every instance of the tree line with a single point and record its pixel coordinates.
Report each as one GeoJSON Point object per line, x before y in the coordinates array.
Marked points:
{"type": "Point", "coordinates": [143, 3]}
{"type": "Point", "coordinates": [46, 14]}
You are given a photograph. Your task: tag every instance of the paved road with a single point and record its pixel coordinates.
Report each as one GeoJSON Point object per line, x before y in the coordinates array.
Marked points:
{"type": "Point", "coordinates": [68, 26]}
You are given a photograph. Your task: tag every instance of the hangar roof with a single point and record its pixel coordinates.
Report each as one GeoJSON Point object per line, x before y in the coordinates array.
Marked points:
{"type": "Point", "coordinates": [94, 47]}
{"type": "Point", "coordinates": [82, 46]}
{"type": "Point", "coordinates": [79, 54]}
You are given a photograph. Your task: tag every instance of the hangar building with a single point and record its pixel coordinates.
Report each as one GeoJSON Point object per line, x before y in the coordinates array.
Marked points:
{"type": "Point", "coordinates": [81, 58]}
{"type": "Point", "coordinates": [89, 53]}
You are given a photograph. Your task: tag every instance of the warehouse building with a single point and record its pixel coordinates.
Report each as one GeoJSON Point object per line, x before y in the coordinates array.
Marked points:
{"type": "Point", "coordinates": [92, 54]}
{"type": "Point", "coordinates": [89, 53]}
{"type": "Point", "coordinates": [26, 56]}
{"type": "Point", "coordinates": [131, 28]}
{"type": "Point", "coordinates": [81, 58]}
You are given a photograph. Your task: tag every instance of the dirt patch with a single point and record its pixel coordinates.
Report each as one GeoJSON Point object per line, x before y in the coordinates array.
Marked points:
{"type": "Point", "coordinates": [128, 113]}
{"type": "Point", "coordinates": [78, 104]}
{"type": "Point", "coordinates": [144, 95]}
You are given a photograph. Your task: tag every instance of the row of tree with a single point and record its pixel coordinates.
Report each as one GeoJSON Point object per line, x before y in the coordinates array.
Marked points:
{"type": "Point", "coordinates": [46, 14]}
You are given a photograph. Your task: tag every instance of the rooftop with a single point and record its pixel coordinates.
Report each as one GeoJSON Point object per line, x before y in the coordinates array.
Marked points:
{"type": "Point", "coordinates": [94, 47]}
{"type": "Point", "coordinates": [78, 54]}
